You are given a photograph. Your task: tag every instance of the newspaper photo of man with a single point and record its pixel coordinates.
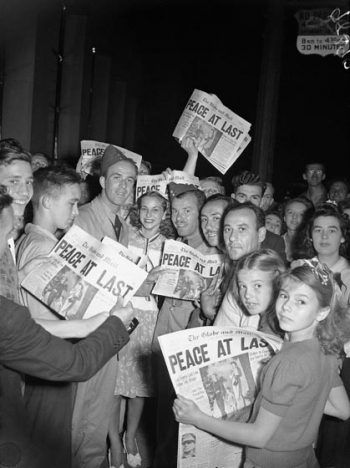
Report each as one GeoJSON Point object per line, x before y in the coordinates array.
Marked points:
{"type": "Point", "coordinates": [189, 285]}
{"type": "Point", "coordinates": [188, 442]}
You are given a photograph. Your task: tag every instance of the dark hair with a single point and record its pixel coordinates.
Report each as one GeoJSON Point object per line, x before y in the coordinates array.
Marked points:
{"type": "Point", "coordinates": [265, 260]}
{"type": "Point", "coordinates": [11, 144]}
{"type": "Point", "coordinates": [198, 194]}
{"type": "Point", "coordinates": [153, 194]}
{"type": "Point", "coordinates": [259, 213]}
{"type": "Point", "coordinates": [218, 180]}
{"type": "Point", "coordinates": [344, 205]}
{"type": "Point", "coordinates": [303, 200]}
{"type": "Point", "coordinates": [217, 197]}
{"type": "Point", "coordinates": [50, 180]}
{"type": "Point", "coordinates": [247, 178]}
{"type": "Point", "coordinates": [333, 331]}
{"type": "Point", "coordinates": [310, 163]}
{"type": "Point", "coordinates": [5, 198]}
{"type": "Point", "coordinates": [9, 155]}
{"type": "Point", "coordinates": [147, 164]}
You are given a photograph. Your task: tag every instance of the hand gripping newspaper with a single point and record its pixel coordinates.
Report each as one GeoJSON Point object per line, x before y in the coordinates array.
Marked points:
{"type": "Point", "coordinates": [85, 276]}
{"type": "Point", "coordinates": [91, 153]}
{"type": "Point", "coordinates": [218, 368]}
{"type": "Point", "coordinates": [159, 182]}
{"type": "Point", "coordinates": [219, 134]}
{"type": "Point", "coordinates": [185, 272]}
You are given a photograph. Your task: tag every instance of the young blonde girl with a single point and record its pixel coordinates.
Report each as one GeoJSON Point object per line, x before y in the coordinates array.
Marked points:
{"type": "Point", "coordinates": [298, 384]}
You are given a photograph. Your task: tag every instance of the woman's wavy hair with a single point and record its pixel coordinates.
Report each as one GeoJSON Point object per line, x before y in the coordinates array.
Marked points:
{"type": "Point", "coordinates": [334, 330]}
{"type": "Point", "coordinates": [266, 260]}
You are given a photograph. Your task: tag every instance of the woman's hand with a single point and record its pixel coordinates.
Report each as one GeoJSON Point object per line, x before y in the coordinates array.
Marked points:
{"type": "Point", "coordinates": [186, 411]}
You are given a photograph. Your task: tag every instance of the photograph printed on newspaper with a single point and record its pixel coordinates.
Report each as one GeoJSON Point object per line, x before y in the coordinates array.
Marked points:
{"type": "Point", "coordinates": [219, 134]}
{"type": "Point", "coordinates": [218, 368]}
{"type": "Point", "coordinates": [85, 276]}
{"type": "Point", "coordinates": [91, 154]}
{"type": "Point", "coordinates": [159, 182]}
{"type": "Point", "coordinates": [186, 272]}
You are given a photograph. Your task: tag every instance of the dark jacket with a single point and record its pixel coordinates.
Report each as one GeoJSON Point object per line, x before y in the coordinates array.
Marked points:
{"type": "Point", "coordinates": [27, 348]}
{"type": "Point", "coordinates": [275, 242]}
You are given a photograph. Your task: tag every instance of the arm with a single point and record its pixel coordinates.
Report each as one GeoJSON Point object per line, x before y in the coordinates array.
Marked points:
{"type": "Point", "coordinates": [73, 328]}
{"type": "Point", "coordinates": [338, 404]}
{"type": "Point", "coordinates": [255, 434]}
{"type": "Point", "coordinates": [192, 155]}
{"type": "Point", "coordinates": [26, 347]}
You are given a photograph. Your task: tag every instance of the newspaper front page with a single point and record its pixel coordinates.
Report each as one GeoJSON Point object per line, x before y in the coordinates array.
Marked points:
{"type": "Point", "coordinates": [219, 134]}
{"type": "Point", "coordinates": [159, 182]}
{"type": "Point", "coordinates": [91, 153]}
{"type": "Point", "coordinates": [85, 276]}
{"type": "Point", "coordinates": [217, 368]}
{"type": "Point", "coordinates": [186, 272]}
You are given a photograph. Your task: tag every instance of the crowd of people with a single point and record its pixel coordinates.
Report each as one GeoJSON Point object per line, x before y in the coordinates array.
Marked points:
{"type": "Point", "coordinates": [72, 392]}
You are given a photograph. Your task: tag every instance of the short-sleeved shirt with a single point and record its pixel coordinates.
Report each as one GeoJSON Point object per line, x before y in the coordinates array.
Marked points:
{"type": "Point", "coordinates": [295, 385]}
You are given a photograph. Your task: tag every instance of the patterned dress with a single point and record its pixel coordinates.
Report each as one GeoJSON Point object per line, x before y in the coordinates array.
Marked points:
{"type": "Point", "coordinates": [134, 377]}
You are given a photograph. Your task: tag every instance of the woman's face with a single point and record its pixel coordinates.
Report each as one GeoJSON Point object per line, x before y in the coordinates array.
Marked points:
{"type": "Point", "coordinates": [151, 213]}
{"type": "Point", "coordinates": [326, 235]}
{"type": "Point", "coordinates": [255, 289]}
{"type": "Point", "coordinates": [293, 215]}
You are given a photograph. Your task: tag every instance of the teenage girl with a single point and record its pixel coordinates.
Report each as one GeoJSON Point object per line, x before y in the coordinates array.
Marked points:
{"type": "Point", "coordinates": [134, 377]}
{"type": "Point", "coordinates": [250, 300]}
{"type": "Point", "coordinates": [298, 384]}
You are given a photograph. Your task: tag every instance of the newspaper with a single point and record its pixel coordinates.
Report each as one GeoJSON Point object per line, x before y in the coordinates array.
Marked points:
{"type": "Point", "coordinates": [185, 272]}
{"type": "Point", "coordinates": [84, 276]}
{"type": "Point", "coordinates": [91, 153]}
{"type": "Point", "coordinates": [218, 133]}
{"type": "Point", "coordinates": [159, 182]}
{"type": "Point", "coordinates": [217, 368]}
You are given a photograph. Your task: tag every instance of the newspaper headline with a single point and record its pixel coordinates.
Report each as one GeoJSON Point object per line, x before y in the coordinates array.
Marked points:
{"type": "Point", "coordinates": [159, 182]}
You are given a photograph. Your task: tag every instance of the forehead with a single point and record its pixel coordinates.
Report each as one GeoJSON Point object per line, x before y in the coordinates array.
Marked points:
{"type": "Point", "coordinates": [326, 221]}
{"type": "Point", "coordinates": [244, 216]}
{"type": "Point", "coordinates": [296, 206]}
{"type": "Point", "coordinates": [150, 201]}
{"type": "Point", "coordinates": [314, 167]}
{"type": "Point", "coordinates": [124, 168]}
{"type": "Point", "coordinates": [69, 191]}
{"type": "Point", "coordinates": [297, 287]}
{"type": "Point", "coordinates": [39, 157]}
{"type": "Point", "coordinates": [215, 206]}
{"type": "Point", "coordinates": [16, 169]}
{"type": "Point", "coordinates": [338, 186]}
{"type": "Point", "coordinates": [188, 200]}
{"type": "Point", "coordinates": [209, 184]}
{"type": "Point", "coordinates": [254, 274]}
{"type": "Point", "coordinates": [250, 190]}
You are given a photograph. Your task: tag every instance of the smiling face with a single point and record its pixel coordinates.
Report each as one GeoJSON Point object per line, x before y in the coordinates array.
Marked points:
{"type": "Point", "coordinates": [211, 215]}
{"type": "Point", "coordinates": [273, 223]}
{"type": "Point", "coordinates": [118, 184]}
{"type": "Point", "coordinates": [64, 206]}
{"type": "Point", "coordinates": [298, 310]}
{"type": "Point", "coordinates": [185, 215]}
{"type": "Point", "coordinates": [252, 193]}
{"type": "Point", "coordinates": [241, 235]}
{"type": "Point", "coordinates": [327, 235]}
{"type": "Point", "coordinates": [293, 215]}
{"type": "Point", "coordinates": [151, 214]}
{"type": "Point", "coordinates": [18, 178]}
{"type": "Point", "coordinates": [255, 289]}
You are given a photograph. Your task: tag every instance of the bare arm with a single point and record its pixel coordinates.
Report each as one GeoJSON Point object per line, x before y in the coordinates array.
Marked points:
{"type": "Point", "coordinates": [73, 328]}
{"type": "Point", "coordinates": [192, 155]}
{"type": "Point", "coordinates": [338, 404]}
{"type": "Point", "coordinates": [255, 434]}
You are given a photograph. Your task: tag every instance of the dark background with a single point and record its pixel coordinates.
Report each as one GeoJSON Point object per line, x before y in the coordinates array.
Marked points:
{"type": "Point", "coordinates": [157, 52]}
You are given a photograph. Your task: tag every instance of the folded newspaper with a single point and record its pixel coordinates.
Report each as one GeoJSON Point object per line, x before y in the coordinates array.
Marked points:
{"type": "Point", "coordinates": [85, 276]}
{"type": "Point", "coordinates": [185, 272]}
{"type": "Point", "coordinates": [159, 182]}
{"type": "Point", "coordinates": [217, 368]}
{"type": "Point", "coordinates": [219, 134]}
{"type": "Point", "coordinates": [91, 153]}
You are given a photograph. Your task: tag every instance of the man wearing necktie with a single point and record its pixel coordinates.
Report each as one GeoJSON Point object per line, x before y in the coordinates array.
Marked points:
{"type": "Point", "coordinates": [101, 217]}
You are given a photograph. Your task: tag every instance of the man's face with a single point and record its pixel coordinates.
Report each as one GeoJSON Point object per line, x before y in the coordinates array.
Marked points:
{"type": "Point", "coordinates": [118, 184]}
{"type": "Point", "coordinates": [188, 444]}
{"type": "Point", "coordinates": [185, 215]}
{"type": "Point", "coordinates": [314, 174]}
{"type": "Point", "coordinates": [209, 187]}
{"type": "Point", "coordinates": [338, 191]}
{"type": "Point", "coordinates": [211, 215]}
{"type": "Point", "coordinates": [143, 170]}
{"type": "Point", "coordinates": [252, 193]}
{"type": "Point", "coordinates": [6, 227]}
{"type": "Point", "coordinates": [18, 178]}
{"type": "Point", "coordinates": [267, 198]}
{"type": "Point", "coordinates": [241, 235]}
{"type": "Point", "coordinates": [64, 206]}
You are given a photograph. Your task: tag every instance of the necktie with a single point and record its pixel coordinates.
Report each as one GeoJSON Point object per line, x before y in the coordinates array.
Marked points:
{"type": "Point", "coordinates": [117, 227]}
